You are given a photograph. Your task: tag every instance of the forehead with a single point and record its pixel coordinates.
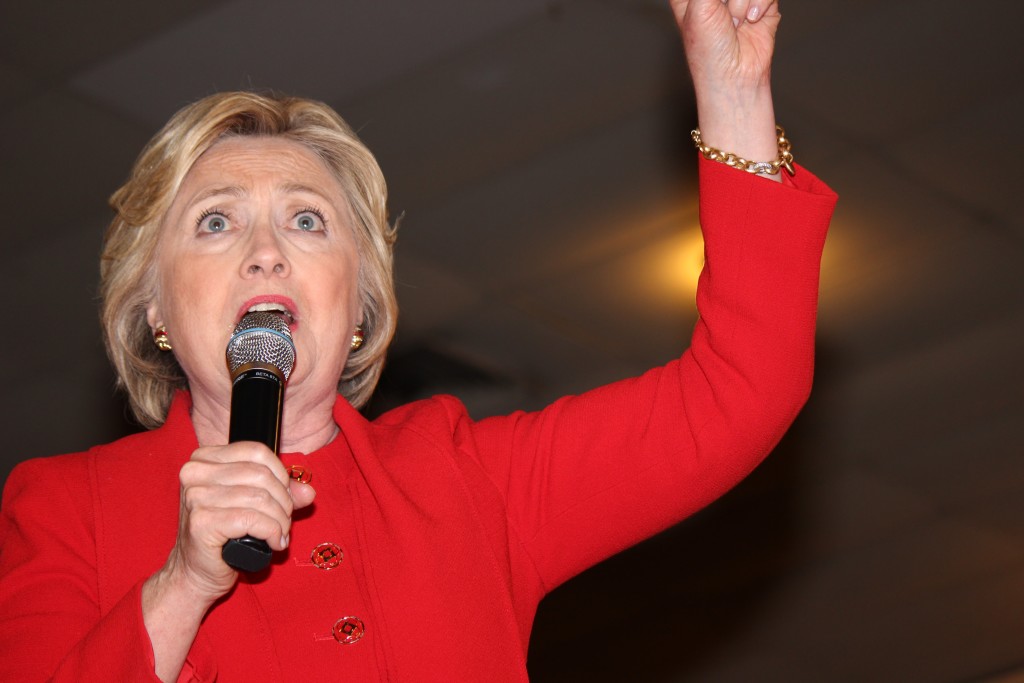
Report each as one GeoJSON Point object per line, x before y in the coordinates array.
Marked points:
{"type": "Point", "coordinates": [248, 161]}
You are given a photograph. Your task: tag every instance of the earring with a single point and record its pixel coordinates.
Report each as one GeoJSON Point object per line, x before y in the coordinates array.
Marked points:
{"type": "Point", "coordinates": [160, 339]}
{"type": "Point", "coordinates": [357, 338]}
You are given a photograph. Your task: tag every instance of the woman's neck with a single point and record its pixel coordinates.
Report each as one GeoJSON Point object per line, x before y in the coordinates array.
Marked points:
{"type": "Point", "coordinates": [307, 423]}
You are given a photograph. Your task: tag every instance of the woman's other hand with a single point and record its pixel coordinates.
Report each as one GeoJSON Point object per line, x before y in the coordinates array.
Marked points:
{"type": "Point", "coordinates": [728, 44]}
{"type": "Point", "coordinates": [729, 47]}
{"type": "Point", "coordinates": [226, 492]}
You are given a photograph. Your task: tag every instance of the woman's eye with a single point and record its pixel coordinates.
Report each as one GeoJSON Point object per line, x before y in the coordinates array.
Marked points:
{"type": "Point", "coordinates": [309, 221]}
{"type": "Point", "coordinates": [213, 222]}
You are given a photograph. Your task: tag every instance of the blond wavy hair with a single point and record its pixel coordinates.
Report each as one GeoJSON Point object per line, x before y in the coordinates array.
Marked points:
{"type": "Point", "coordinates": [127, 273]}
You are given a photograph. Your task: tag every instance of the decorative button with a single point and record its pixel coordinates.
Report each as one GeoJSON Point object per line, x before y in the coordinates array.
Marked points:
{"type": "Point", "coordinates": [301, 474]}
{"type": "Point", "coordinates": [326, 556]}
{"type": "Point", "coordinates": [348, 630]}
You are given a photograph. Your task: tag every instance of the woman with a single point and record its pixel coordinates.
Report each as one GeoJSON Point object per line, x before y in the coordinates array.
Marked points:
{"type": "Point", "coordinates": [432, 537]}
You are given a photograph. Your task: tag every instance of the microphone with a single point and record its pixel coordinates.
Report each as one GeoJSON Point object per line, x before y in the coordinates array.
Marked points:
{"type": "Point", "coordinates": [260, 356]}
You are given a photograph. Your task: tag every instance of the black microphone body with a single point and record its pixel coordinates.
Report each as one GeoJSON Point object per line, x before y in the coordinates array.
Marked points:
{"type": "Point", "coordinates": [256, 402]}
{"type": "Point", "coordinates": [260, 356]}
{"type": "Point", "coordinates": [255, 416]}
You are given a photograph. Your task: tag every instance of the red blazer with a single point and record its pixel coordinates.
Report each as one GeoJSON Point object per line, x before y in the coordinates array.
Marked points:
{"type": "Point", "coordinates": [433, 536]}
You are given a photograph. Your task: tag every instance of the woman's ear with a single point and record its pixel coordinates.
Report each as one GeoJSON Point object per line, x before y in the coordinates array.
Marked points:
{"type": "Point", "coordinates": [153, 316]}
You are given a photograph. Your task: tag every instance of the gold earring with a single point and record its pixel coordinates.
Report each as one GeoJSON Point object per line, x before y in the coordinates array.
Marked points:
{"type": "Point", "coordinates": [357, 338]}
{"type": "Point", "coordinates": [160, 339]}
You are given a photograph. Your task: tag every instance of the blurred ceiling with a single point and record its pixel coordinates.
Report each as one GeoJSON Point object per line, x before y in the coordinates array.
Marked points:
{"type": "Point", "coordinates": [538, 151]}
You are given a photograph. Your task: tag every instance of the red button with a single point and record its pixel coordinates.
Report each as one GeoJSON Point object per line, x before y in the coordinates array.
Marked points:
{"type": "Point", "coordinates": [348, 630]}
{"type": "Point", "coordinates": [301, 474]}
{"type": "Point", "coordinates": [326, 556]}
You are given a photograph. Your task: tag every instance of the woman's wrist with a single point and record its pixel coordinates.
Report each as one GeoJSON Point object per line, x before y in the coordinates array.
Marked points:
{"type": "Point", "coordinates": [172, 614]}
{"type": "Point", "coordinates": [739, 121]}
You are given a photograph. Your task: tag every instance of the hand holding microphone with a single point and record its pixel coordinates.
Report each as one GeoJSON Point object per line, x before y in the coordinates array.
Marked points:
{"type": "Point", "coordinates": [261, 356]}
{"type": "Point", "coordinates": [228, 491]}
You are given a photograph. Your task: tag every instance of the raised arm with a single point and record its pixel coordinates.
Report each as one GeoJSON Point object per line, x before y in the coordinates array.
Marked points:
{"type": "Point", "coordinates": [729, 48]}
{"type": "Point", "coordinates": [595, 473]}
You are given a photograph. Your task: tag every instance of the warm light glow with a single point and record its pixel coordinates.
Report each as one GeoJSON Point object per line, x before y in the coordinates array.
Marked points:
{"type": "Point", "coordinates": [666, 272]}
{"type": "Point", "coordinates": [649, 272]}
{"type": "Point", "coordinates": [681, 262]}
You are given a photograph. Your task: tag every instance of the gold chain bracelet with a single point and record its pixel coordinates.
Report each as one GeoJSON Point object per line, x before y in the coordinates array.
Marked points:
{"type": "Point", "coordinates": [784, 160]}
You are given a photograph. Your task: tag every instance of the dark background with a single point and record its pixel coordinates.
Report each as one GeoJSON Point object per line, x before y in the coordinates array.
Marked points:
{"type": "Point", "coordinates": [539, 152]}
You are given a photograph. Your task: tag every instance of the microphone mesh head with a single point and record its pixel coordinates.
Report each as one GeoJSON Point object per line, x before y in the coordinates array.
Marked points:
{"type": "Point", "coordinates": [262, 337]}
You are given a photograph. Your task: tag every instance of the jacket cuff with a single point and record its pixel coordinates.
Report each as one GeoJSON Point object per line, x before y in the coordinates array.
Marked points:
{"type": "Point", "coordinates": [118, 648]}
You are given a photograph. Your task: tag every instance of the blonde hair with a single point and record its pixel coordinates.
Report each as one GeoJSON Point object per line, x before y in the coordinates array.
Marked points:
{"type": "Point", "coordinates": [127, 280]}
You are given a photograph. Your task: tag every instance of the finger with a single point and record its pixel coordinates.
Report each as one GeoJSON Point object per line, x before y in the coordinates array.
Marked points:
{"type": "Point", "coordinates": [212, 527]}
{"type": "Point", "coordinates": [239, 497]}
{"type": "Point", "coordinates": [232, 484]}
{"type": "Point", "coordinates": [233, 507]}
{"type": "Point", "coordinates": [760, 8]}
{"type": "Point", "coordinates": [738, 9]}
{"type": "Point", "coordinates": [241, 473]}
{"type": "Point", "coordinates": [302, 494]}
{"type": "Point", "coordinates": [244, 451]}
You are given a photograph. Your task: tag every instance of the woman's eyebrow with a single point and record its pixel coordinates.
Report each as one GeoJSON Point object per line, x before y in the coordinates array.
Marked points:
{"type": "Point", "coordinates": [239, 191]}
{"type": "Point", "coordinates": [225, 190]}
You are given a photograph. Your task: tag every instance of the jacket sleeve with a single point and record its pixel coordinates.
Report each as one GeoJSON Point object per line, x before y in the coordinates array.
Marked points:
{"type": "Point", "coordinates": [595, 473]}
{"type": "Point", "coordinates": [53, 626]}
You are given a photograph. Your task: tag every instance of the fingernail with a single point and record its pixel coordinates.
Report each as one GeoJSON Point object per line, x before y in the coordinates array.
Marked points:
{"type": "Point", "coordinates": [284, 541]}
{"type": "Point", "coordinates": [752, 14]}
{"type": "Point", "coordinates": [735, 22]}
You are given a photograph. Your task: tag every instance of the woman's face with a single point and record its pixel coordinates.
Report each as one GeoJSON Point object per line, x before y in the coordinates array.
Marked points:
{"type": "Point", "coordinates": [258, 221]}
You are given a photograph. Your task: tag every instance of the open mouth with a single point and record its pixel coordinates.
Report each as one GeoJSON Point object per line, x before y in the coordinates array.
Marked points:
{"type": "Point", "coordinates": [273, 307]}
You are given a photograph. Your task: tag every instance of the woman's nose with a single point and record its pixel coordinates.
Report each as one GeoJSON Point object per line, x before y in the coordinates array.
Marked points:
{"type": "Point", "coordinates": [265, 256]}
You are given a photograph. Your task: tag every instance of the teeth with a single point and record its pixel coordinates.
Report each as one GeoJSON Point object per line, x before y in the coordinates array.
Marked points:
{"type": "Point", "coordinates": [275, 308]}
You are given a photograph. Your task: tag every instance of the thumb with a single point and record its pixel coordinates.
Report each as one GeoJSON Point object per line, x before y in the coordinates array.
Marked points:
{"type": "Point", "coordinates": [302, 494]}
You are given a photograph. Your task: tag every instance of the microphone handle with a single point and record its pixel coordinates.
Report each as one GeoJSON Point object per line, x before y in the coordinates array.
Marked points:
{"type": "Point", "coordinates": [256, 401]}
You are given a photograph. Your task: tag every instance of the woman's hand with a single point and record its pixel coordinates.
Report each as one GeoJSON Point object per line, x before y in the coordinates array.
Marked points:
{"type": "Point", "coordinates": [729, 47]}
{"type": "Point", "coordinates": [226, 492]}
{"type": "Point", "coordinates": [728, 44]}
{"type": "Point", "coordinates": [229, 492]}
